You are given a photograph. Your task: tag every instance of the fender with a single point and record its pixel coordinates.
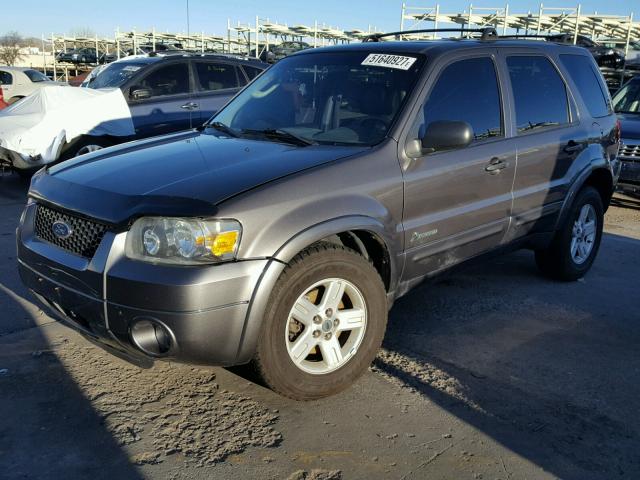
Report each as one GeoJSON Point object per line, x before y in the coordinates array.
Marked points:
{"type": "Point", "coordinates": [577, 184]}
{"type": "Point", "coordinates": [271, 273]}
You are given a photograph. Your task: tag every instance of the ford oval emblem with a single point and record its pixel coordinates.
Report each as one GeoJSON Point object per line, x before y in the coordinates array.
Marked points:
{"type": "Point", "coordinates": [61, 230]}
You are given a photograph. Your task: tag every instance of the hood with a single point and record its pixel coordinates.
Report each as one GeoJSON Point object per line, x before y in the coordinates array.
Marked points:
{"type": "Point", "coordinates": [180, 174]}
{"type": "Point", "coordinates": [629, 125]}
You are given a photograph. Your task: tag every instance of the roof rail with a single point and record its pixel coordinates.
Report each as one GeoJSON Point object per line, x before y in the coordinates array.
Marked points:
{"type": "Point", "coordinates": [488, 33]}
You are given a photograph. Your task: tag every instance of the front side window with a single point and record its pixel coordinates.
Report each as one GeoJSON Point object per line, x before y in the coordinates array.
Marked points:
{"type": "Point", "coordinates": [36, 76]}
{"type": "Point", "coordinates": [170, 79]}
{"type": "Point", "coordinates": [627, 100]}
{"type": "Point", "coordinates": [347, 98]}
{"type": "Point", "coordinates": [539, 93]}
{"type": "Point", "coordinates": [6, 78]}
{"type": "Point", "coordinates": [216, 76]}
{"type": "Point", "coordinates": [466, 91]}
{"type": "Point", "coordinates": [252, 72]}
{"type": "Point", "coordinates": [589, 83]}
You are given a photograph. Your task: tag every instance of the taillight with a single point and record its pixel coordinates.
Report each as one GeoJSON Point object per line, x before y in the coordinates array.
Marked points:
{"type": "Point", "coordinates": [618, 133]}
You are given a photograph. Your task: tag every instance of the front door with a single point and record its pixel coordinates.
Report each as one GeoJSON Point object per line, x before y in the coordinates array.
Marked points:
{"type": "Point", "coordinates": [216, 83]}
{"type": "Point", "coordinates": [168, 106]}
{"type": "Point", "coordinates": [458, 202]}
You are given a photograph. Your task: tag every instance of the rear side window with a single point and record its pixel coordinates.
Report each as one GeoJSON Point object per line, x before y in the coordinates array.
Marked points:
{"type": "Point", "coordinates": [589, 84]}
{"type": "Point", "coordinates": [216, 76]}
{"type": "Point", "coordinates": [466, 91]}
{"type": "Point", "coordinates": [5, 78]}
{"type": "Point", "coordinates": [252, 72]}
{"type": "Point", "coordinates": [539, 92]}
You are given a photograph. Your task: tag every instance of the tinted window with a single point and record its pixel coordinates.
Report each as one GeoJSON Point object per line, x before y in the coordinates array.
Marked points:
{"type": "Point", "coordinates": [252, 72]}
{"type": "Point", "coordinates": [466, 91]}
{"type": "Point", "coordinates": [35, 76]}
{"type": "Point", "coordinates": [167, 80]}
{"type": "Point", "coordinates": [539, 92]}
{"type": "Point", "coordinates": [589, 84]}
{"type": "Point", "coordinates": [6, 78]}
{"type": "Point", "coordinates": [627, 100]}
{"type": "Point", "coordinates": [216, 76]}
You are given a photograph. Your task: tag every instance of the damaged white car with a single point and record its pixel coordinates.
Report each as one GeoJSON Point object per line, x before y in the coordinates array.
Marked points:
{"type": "Point", "coordinates": [130, 99]}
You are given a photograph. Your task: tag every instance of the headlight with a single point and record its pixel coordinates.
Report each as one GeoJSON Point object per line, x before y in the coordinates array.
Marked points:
{"type": "Point", "coordinates": [183, 241]}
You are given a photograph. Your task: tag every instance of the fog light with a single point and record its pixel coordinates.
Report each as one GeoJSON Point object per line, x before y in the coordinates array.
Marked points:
{"type": "Point", "coordinates": [152, 337]}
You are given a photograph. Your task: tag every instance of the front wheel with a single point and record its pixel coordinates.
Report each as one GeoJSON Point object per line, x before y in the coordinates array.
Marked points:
{"type": "Point", "coordinates": [576, 244]}
{"type": "Point", "coordinates": [324, 324]}
{"type": "Point", "coordinates": [84, 145]}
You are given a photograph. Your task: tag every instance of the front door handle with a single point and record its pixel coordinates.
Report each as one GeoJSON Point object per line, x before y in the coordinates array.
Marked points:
{"type": "Point", "coordinates": [189, 106]}
{"type": "Point", "coordinates": [572, 147]}
{"type": "Point", "coordinates": [496, 166]}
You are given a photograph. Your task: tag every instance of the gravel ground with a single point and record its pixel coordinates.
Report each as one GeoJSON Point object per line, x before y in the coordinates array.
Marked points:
{"type": "Point", "coordinates": [490, 372]}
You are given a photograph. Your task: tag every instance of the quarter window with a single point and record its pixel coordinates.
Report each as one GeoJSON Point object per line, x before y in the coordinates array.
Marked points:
{"type": "Point", "coordinates": [216, 76]}
{"type": "Point", "coordinates": [252, 72]}
{"type": "Point", "coordinates": [6, 78]}
{"type": "Point", "coordinates": [170, 79]}
{"type": "Point", "coordinates": [539, 93]}
{"type": "Point", "coordinates": [466, 91]}
{"type": "Point", "coordinates": [589, 83]}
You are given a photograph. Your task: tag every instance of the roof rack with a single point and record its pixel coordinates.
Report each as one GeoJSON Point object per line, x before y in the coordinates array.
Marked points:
{"type": "Point", "coordinates": [488, 33]}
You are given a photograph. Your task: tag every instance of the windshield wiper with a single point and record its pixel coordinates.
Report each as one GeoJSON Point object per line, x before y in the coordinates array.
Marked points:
{"type": "Point", "coordinates": [221, 127]}
{"type": "Point", "coordinates": [282, 135]}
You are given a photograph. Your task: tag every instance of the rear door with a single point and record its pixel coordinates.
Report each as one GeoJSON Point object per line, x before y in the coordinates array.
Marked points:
{"type": "Point", "coordinates": [170, 106]}
{"type": "Point", "coordinates": [216, 82]}
{"type": "Point", "coordinates": [547, 138]}
{"type": "Point", "coordinates": [458, 202]}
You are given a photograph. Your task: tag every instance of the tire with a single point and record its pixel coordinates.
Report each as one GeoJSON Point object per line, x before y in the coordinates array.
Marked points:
{"type": "Point", "coordinates": [13, 100]}
{"type": "Point", "coordinates": [560, 261]}
{"type": "Point", "coordinates": [312, 376]}
{"type": "Point", "coordinates": [83, 145]}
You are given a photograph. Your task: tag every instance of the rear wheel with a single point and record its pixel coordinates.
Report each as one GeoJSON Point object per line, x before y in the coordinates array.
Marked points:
{"type": "Point", "coordinates": [576, 244]}
{"type": "Point", "coordinates": [324, 325]}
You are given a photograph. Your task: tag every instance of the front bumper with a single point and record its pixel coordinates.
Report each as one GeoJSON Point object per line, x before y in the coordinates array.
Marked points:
{"type": "Point", "coordinates": [205, 309]}
{"type": "Point", "coordinates": [629, 179]}
{"type": "Point", "coordinates": [15, 160]}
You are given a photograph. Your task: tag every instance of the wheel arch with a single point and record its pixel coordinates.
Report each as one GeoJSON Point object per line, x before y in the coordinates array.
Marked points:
{"type": "Point", "coordinates": [599, 178]}
{"type": "Point", "coordinates": [364, 234]}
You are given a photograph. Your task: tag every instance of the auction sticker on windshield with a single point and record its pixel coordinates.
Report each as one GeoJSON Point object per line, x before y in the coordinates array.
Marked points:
{"type": "Point", "coordinates": [389, 61]}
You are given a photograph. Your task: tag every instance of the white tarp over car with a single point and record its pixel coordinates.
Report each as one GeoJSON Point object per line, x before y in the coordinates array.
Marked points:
{"type": "Point", "coordinates": [41, 123]}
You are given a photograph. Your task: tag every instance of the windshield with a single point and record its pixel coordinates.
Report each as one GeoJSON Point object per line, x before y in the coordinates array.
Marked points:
{"type": "Point", "coordinates": [35, 76]}
{"type": "Point", "coordinates": [346, 98]}
{"type": "Point", "coordinates": [114, 75]}
{"type": "Point", "coordinates": [627, 100]}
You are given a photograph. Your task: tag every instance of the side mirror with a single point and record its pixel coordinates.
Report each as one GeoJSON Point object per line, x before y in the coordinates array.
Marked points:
{"type": "Point", "coordinates": [140, 93]}
{"type": "Point", "coordinates": [442, 135]}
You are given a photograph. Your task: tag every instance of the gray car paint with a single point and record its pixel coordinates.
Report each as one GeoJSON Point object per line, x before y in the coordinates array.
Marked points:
{"type": "Point", "coordinates": [380, 190]}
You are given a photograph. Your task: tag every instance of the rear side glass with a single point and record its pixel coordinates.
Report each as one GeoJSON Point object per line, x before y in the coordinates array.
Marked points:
{"type": "Point", "coordinates": [216, 76]}
{"type": "Point", "coordinates": [6, 78]}
{"type": "Point", "coordinates": [252, 72]}
{"type": "Point", "coordinates": [466, 91]}
{"type": "Point", "coordinates": [539, 93]}
{"type": "Point", "coordinates": [589, 84]}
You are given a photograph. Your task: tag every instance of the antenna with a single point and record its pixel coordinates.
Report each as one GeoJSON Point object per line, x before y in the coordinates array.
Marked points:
{"type": "Point", "coordinates": [188, 26]}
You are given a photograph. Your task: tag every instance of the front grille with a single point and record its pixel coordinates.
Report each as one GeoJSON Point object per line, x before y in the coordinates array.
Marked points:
{"type": "Point", "coordinates": [85, 236]}
{"type": "Point", "coordinates": [630, 152]}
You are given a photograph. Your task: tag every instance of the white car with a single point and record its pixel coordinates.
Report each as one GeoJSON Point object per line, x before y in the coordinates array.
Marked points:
{"type": "Point", "coordinates": [19, 82]}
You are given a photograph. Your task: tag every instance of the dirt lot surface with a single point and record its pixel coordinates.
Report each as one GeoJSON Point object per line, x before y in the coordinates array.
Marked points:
{"type": "Point", "coordinates": [492, 372]}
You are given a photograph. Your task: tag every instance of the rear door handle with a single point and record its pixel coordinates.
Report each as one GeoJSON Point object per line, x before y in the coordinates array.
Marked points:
{"type": "Point", "coordinates": [189, 106]}
{"type": "Point", "coordinates": [496, 166]}
{"type": "Point", "coordinates": [572, 147]}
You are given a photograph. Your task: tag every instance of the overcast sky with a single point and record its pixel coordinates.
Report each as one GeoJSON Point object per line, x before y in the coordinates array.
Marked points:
{"type": "Point", "coordinates": [31, 17]}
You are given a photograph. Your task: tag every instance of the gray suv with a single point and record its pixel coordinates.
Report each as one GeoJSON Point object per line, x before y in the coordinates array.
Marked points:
{"type": "Point", "coordinates": [281, 232]}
